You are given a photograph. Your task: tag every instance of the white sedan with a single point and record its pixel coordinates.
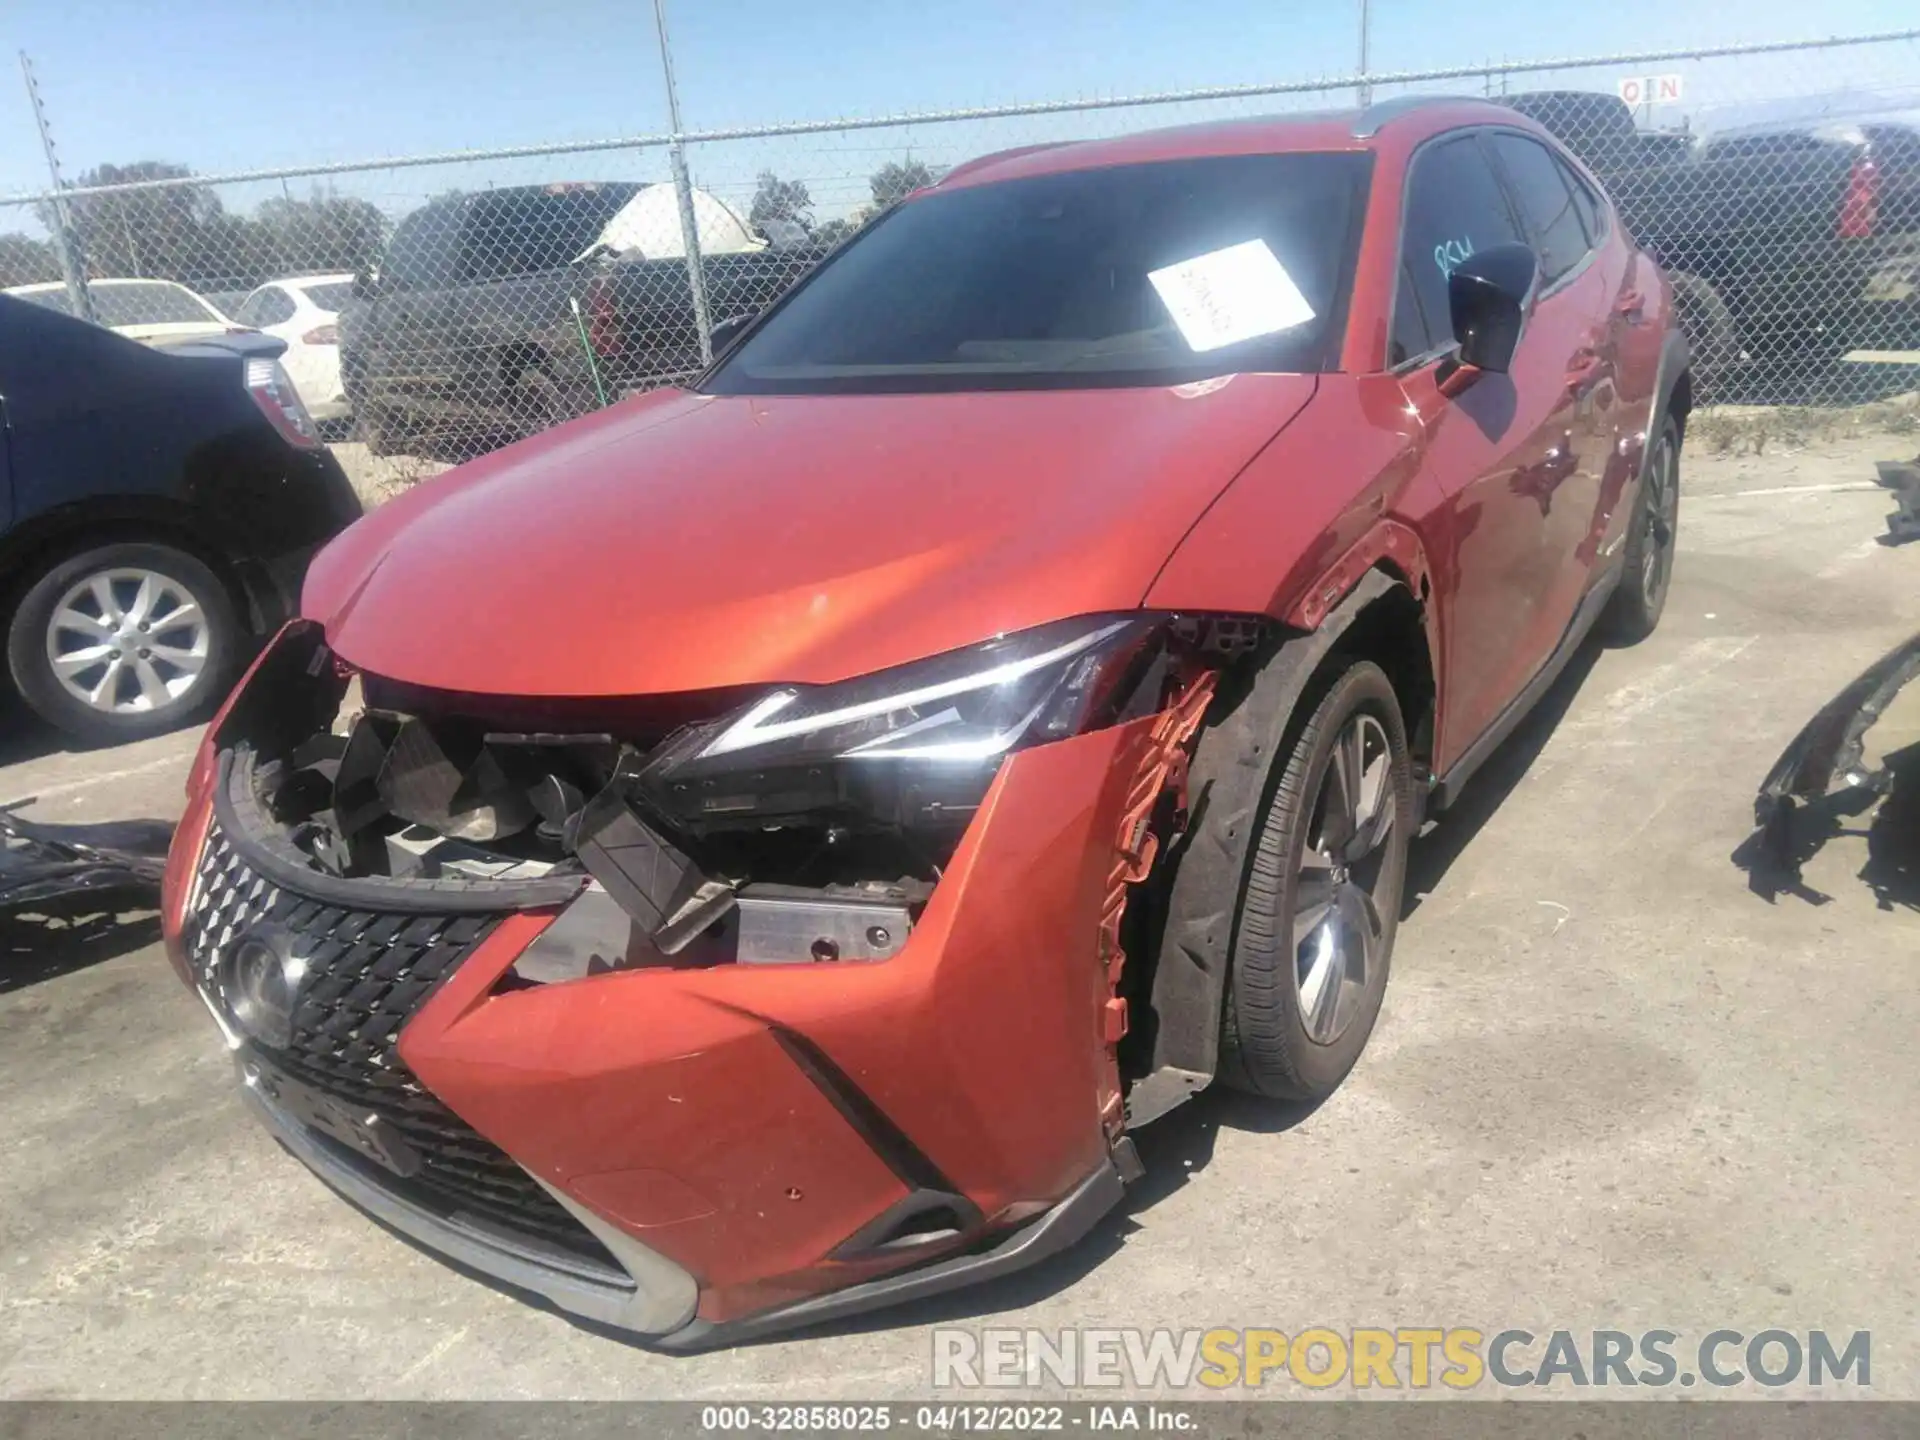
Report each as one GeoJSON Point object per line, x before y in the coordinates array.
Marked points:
{"type": "Point", "coordinates": [154, 312]}
{"type": "Point", "coordinates": [305, 312]}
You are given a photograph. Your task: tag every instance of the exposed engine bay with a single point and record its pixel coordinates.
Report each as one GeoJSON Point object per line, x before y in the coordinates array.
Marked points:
{"type": "Point", "coordinates": [640, 818]}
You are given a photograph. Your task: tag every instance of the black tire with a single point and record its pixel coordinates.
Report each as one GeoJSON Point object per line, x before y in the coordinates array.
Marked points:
{"type": "Point", "coordinates": [1647, 566]}
{"type": "Point", "coordinates": [32, 666]}
{"type": "Point", "coordinates": [1713, 336]}
{"type": "Point", "coordinates": [1266, 1045]}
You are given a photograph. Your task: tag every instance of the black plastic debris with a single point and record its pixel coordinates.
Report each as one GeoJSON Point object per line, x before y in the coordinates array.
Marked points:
{"type": "Point", "coordinates": [40, 865]}
{"type": "Point", "coordinates": [653, 880]}
{"type": "Point", "coordinates": [1821, 779]}
{"type": "Point", "coordinates": [1902, 477]}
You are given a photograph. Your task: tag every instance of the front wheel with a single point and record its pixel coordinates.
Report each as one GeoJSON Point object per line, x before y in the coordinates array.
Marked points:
{"type": "Point", "coordinates": [1322, 897]}
{"type": "Point", "coordinates": [123, 641]}
{"type": "Point", "coordinates": [1647, 568]}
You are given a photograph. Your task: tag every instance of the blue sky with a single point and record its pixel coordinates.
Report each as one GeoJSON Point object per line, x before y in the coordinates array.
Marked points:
{"type": "Point", "coordinates": [230, 84]}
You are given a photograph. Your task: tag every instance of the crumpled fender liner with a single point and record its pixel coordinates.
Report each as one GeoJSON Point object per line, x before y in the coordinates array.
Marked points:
{"type": "Point", "coordinates": [1230, 776]}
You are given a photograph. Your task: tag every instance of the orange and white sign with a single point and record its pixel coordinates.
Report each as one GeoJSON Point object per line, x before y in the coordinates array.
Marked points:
{"type": "Point", "coordinates": [1650, 90]}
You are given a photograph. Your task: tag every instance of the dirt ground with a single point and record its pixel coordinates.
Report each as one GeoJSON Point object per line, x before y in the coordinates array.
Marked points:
{"type": "Point", "coordinates": [1611, 1088]}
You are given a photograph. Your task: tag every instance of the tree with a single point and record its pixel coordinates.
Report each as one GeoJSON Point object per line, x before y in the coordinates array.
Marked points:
{"type": "Point", "coordinates": [26, 261]}
{"type": "Point", "coordinates": [777, 201]}
{"type": "Point", "coordinates": [324, 233]}
{"type": "Point", "coordinates": [897, 179]}
{"type": "Point", "coordinates": [142, 233]}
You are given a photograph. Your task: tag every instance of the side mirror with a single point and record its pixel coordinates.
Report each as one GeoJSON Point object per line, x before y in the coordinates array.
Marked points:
{"type": "Point", "coordinates": [1490, 295]}
{"type": "Point", "coordinates": [728, 331]}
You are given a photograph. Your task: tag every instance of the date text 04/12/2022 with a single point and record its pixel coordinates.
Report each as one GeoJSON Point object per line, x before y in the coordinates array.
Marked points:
{"type": "Point", "coordinates": [943, 1419]}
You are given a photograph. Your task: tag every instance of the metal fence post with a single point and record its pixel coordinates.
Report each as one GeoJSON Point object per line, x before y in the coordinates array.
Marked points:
{"type": "Point", "coordinates": [683, 192]}
{"type": "Point", "coordinates": [66, 246]}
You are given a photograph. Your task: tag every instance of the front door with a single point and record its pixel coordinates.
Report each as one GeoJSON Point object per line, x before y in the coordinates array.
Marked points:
{"type": "Point", "coordinates": [1499, 450]}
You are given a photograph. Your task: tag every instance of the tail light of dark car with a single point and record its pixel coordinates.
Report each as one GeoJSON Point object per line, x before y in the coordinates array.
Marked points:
{"type": "Point", "coordinates": [273, 392]}
{"type": "Point", "coordinates": [1860, 205]}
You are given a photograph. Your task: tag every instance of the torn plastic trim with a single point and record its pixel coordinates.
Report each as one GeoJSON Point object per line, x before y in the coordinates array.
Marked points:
{"type": "Point", "coordinates": [41, 863]}
{"type": "Point", "coordinates": [1228, 781]}
{"type": "Point", "coordinates": [261, 841]}
{"type": "Point", "coordinates": [1829, 745]}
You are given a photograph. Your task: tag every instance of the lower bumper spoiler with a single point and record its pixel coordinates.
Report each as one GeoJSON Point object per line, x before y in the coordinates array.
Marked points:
{"type": "Point", "coordinates": [657, 1304]}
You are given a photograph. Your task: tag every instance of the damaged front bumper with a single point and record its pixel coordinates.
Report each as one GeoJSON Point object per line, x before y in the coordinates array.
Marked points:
{"type": "Point", "coordinates": [91, 866]}
{"type": "Point", "coordinates": [1823, 771]}
{"type": "Point", "coordinates": [697, 1147]}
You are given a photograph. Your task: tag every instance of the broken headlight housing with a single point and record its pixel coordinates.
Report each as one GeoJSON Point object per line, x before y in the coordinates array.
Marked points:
{"type": "Point", "coordinates": [914, 746]}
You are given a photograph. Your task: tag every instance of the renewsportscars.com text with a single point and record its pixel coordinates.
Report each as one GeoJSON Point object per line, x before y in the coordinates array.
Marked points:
{"type": "Point", "coordinates": [1409, 1357]}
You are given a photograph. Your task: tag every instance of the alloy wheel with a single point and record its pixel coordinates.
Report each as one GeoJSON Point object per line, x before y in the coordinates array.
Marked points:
{"type": "Point", "coordinates": [1338, 933]}
{"type": "Point", "coordinates": [128, 641]}
{"type": "Point", "coordinates": [1661, 516]}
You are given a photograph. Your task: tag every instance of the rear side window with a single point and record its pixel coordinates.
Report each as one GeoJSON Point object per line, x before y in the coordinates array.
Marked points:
{"type": "Point", "coordinates": [1454, 207]}
{"type": "Point", "coordinates": [266, 307]}
{"type": "Point", "coordinates": [1546, 204]}
{"type": "Point", "coordinates": [419, 256]}
{"type": "Point", "coordinates": [524, 232]}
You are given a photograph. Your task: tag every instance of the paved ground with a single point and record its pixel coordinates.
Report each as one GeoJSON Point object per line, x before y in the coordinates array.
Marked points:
{"type": "Point", "coordinates": [1611, 1088]}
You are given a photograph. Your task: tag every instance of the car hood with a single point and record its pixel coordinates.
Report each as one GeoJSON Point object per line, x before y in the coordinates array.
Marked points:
{"type": "Point", "coordinates": [682, 542]}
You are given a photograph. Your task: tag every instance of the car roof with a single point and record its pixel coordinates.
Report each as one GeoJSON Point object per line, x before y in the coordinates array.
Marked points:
{"type": "Point", "coordinates": [1352, 130]}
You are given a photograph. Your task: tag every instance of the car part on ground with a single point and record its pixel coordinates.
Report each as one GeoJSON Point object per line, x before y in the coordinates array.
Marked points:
{"type": "Point", "coordinates": [44, 867]}
{"type": "Point", "coordinates": [157, 510]}
{"type": "Point", "coordinates": [1902, 477]}
{"type": "Point", "coordinates": [1821, 779]}
{"type": "Point", "coordinates": [860, 789]}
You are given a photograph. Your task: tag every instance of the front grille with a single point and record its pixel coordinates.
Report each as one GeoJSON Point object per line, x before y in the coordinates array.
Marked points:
{"type": "Point", "coordinates": [367, 973]}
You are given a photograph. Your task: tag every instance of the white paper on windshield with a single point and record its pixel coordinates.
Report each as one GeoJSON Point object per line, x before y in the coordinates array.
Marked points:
{"type": "Point", "coordinates": [1230, 295]}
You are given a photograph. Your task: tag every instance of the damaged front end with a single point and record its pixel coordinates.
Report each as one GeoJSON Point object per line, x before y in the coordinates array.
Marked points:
{"type": "Point", "coordinates": [700, 1014]}
{"type": "Point", "coordinates": [1821, 779]}
{"type": "Point", "coordinates": [90, 868]}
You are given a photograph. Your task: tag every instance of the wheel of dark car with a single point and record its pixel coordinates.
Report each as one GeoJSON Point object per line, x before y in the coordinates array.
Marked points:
{"type": "Point", "coordinates": [122, 641]}
{"type": "Point", "coordinates": [1647, 567]}
{"type": "Point", "coordinates": [1322, 897]}
{"type": "Point", "coordinates": [1713, 335]}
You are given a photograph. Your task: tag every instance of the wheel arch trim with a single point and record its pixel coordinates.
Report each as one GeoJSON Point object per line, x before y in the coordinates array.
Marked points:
{"type": "Point", "coordinates": [1231, 773]}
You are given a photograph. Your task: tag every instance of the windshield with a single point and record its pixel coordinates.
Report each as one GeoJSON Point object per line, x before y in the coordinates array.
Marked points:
{"type": "Point", "coordinates": [1147, 274]}
{"type": "Point", "coordinates": [330, 297]}
{"type": "Point", "coordinates": [156, 304]}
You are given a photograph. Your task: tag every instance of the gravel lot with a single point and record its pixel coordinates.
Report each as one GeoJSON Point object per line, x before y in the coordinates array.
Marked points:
{"type": "Point", "coordinates": [1611, 1089]}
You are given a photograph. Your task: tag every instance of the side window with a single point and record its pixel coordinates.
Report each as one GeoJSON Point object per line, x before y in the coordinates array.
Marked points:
{"type": "Point", "coordinates": [269, 306]}
{"type": "Point", "coordinates": [1455, 206]}
{"type": "Point", "coordinates": [249, 311]}
{"type": "Point", "coordinates": [1593, 211]}
{"type": "Point", "coordinates": [1412, 333]}
{"type": "Point", "coordinates": [1546, 204]}
{"type": "Point", "coordinates": [418, 257]}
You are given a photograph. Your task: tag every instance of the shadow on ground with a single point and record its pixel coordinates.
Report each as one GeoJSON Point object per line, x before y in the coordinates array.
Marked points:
{"type": "Point", "coordinates": [35, 948]}
{"type": "Point", "coordinates": [1433, 854]}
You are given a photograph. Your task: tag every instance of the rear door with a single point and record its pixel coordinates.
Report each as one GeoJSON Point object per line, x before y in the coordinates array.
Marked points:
{"type": "Point", "coordinates": [1495, 450]}
{"type": "Point", "coordinates": [1581, 305]}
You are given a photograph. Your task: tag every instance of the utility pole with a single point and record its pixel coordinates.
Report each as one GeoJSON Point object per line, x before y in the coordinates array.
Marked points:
{"type": "Point", "coordinates": [1363, 92]}
{"type": "Point", "coordinates": [683, 191]}
{"type": "Point", "coordinates": [73, 266]}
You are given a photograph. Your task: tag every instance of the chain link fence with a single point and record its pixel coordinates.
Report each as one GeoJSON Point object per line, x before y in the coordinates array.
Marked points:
{"type": "Point", "coordinates": [439, 306]}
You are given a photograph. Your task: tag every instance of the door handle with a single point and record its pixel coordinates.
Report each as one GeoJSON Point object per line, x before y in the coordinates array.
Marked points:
{"type": "Point", "coordinates": [1631, 306]}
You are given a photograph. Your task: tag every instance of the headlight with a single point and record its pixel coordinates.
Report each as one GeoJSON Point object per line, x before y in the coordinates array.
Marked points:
{"type": "Point", "coordinates": [907, 746]}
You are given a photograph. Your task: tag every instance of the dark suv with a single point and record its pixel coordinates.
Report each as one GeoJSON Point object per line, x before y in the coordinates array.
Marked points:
{"type": "Point", "coordinates": [157, 510]}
